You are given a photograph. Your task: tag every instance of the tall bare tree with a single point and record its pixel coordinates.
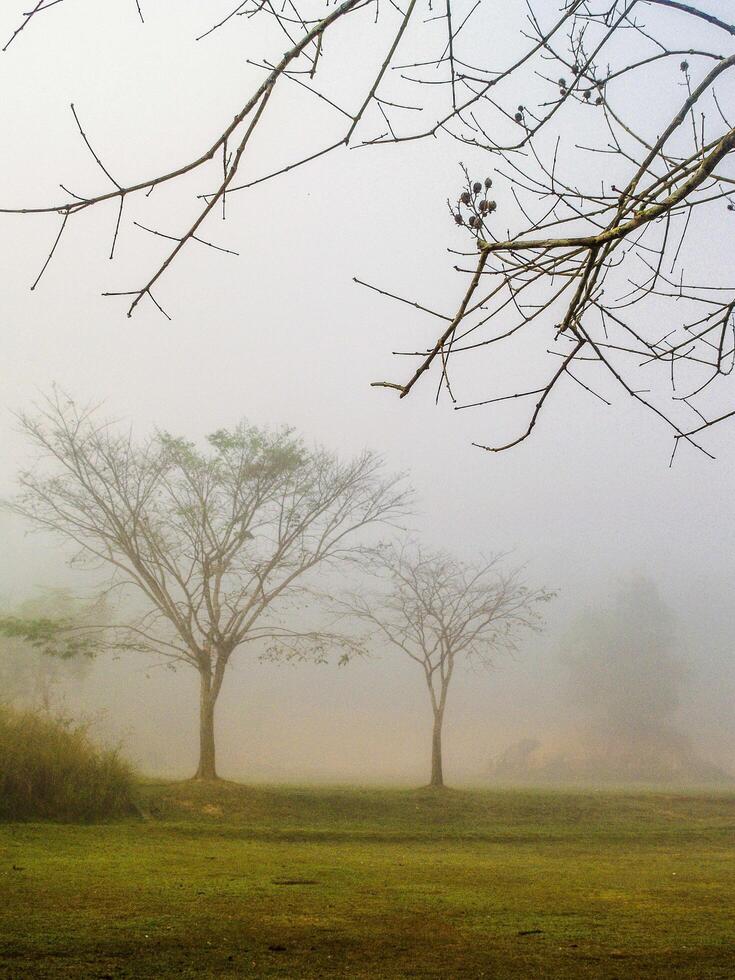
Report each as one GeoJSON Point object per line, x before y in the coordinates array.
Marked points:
{"type": "Point", "coordinates": [603, 142]}
{"type": "Point", "coordinates": [217, 542]}
{"type": "Point", "coordinates": [440, 612]}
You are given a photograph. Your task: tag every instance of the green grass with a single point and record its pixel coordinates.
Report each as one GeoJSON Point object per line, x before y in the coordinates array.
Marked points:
{"type": "Point", "coordinates": [282, 882]}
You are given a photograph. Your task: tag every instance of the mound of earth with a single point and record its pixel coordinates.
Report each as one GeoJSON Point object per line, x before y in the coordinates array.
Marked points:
{"type": "Point", "coordinates": [655, 755]}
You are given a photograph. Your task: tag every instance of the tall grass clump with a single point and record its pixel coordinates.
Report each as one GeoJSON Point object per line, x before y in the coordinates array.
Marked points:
{"type": "Point", "coordinates": [51, 769]}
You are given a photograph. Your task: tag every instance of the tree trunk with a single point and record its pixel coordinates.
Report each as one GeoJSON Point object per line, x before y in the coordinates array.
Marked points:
{"type": "Point", "coordinates": [207, 698]}
{"type": "Point", "coordinates": [437, 774]}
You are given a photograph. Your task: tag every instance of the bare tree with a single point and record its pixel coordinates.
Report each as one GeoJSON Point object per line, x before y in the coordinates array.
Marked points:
{"type": "Point", "coordinates": [218, 542]}
{"type": "Point", "coordinates": [440, 611]}
{"type": "Point", "coordinates": [590, 244]}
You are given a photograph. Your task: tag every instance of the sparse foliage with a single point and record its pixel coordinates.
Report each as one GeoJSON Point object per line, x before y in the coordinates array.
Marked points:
{"type": "Point", "coordinates": [44, 642]}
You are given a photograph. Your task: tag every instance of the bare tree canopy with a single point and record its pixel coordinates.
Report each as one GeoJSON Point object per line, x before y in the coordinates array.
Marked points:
{"type": "Point", "coordinates": [602, 152]}
{"type": "Point", "coordinates": [439, 611]}
{"type": "Point", "coordinates": [216, 541]}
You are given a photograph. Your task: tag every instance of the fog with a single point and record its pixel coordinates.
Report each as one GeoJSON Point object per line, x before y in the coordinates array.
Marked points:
{"type": "Point", "coordinates": [281, 335]}
{"type": "Point", "coordinates": [626, 677]}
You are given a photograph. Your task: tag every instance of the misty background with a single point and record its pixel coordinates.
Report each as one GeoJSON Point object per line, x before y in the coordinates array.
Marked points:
{"type": "Point", "coordinates": [281, 335]}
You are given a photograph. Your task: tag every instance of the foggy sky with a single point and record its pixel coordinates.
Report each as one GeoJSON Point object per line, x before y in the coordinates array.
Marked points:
{"type": "Point", "coordinates": [282, 335]}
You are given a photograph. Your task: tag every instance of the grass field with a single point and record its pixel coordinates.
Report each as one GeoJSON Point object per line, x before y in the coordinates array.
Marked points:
{"type": "Point", "coordinates": [239, 882]}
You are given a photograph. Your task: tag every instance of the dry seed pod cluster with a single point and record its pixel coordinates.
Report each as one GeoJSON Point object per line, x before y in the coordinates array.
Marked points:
{"type": "Point", "coordinates": [474, 206]}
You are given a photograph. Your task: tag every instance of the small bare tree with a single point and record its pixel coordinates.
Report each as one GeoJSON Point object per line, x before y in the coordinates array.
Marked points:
{"type": "Point", "coordinates": [214, 541]}
{"type": "Point", "coordinates": [438, 611]}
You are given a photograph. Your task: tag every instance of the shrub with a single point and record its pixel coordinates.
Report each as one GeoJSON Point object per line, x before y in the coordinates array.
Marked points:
{"type": "Point", "coordinates": [51, 769]}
